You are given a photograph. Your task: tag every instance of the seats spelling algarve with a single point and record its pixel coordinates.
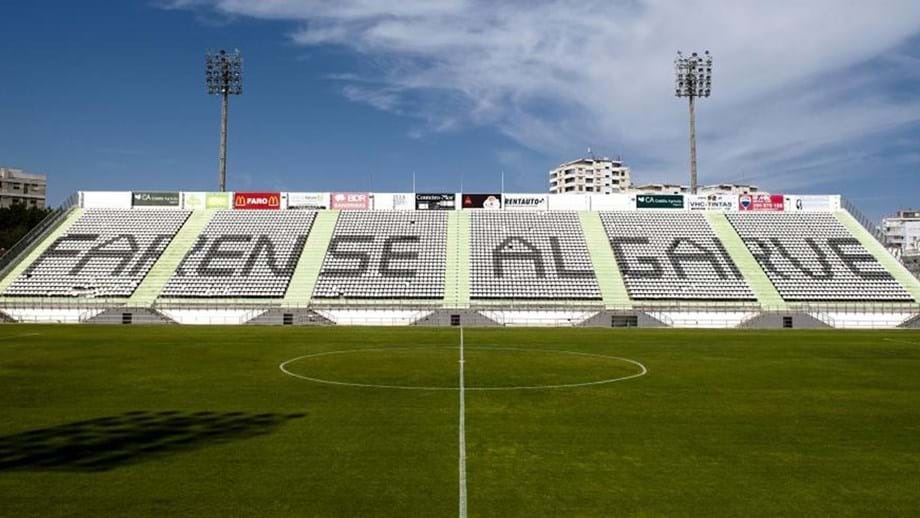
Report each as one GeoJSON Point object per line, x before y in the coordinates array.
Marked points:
{"type": "Point", "coordinates": [241, 254]}
{"type": "Point", "coordinates": [106, 253]}
{"type": "Point", "coordinates": [812, 257]}
{"type": "Point", "coordinates": [530, 255]}
{"type": "Point", "coordinates": [672, 255]}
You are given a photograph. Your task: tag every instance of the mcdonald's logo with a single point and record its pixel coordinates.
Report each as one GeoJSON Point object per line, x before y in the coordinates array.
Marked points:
{"type": "Point", "coordinates": [257, 200]}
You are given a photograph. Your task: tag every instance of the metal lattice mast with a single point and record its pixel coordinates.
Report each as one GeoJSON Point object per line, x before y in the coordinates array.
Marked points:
{"type": "Point", "coordinates": [224, 77]}
{"type": "Point", "coordinates": [693, 79]}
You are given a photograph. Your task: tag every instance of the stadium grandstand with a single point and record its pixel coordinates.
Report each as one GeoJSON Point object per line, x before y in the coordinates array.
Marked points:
{"type": "Point", "coordinates": [623, 260]}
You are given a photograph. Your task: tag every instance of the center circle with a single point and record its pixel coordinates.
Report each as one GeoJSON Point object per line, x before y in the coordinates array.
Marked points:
{"type": "Point", "coordinates": [485, 368]}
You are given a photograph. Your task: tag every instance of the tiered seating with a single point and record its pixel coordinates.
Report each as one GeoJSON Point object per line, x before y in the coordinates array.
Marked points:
{"type": "Point", "coordinates": [672, 255]}
{"type": "Point", "coordinates": [243, 253]}
{"type": "Point", "coordinates": [530, 255]}
{"type": "Point", "coordinates": [812, 256]}
{"type": "Point", "coordinates": [385, 255]}
{"type": "Point", "coordinates": [106, 253]}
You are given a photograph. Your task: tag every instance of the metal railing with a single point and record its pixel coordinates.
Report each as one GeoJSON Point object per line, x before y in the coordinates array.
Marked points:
{"type": "Point", "coordinates": [666, 306]}
{"type": "Point", "coordinates": [863, 220]}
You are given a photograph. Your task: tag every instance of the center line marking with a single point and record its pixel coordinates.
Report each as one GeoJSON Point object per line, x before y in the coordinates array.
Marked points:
{"type": "Point", "coordinates": [462, 434]}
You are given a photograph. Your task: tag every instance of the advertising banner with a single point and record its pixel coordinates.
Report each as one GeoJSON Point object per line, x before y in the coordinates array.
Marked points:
{"type": "Point", "coordinates": [435, 201]}
{"type": "Point", "coordinates": [765, 202]}
{"type": "Point", "coordinates": [155, 199]}
{"type": "Point", "coordinates": [308, 200]}
{"type": "Point", "coordinates": [392, 201]}
{"type": "Point", "coordinates": [402, 201]}
{"type": "Point", "coordinates": [719, 202]}
{"type": "Point", "coordinates": [192, 200]}
{"type": "Point", "coordinates": [659, 201]}
{"type": "Point", "coordinates": [810, 203]}
{"type": "Point", "coordinates": [217, 200]}
{"type": "Point", "coordinates": [482, 201]}
{"type": "Point", "coordinates": [350, 201]}
{"type": "Point", "coordinates": [257, 200]}
{"type": "Point", "coordinates": [525, 201]}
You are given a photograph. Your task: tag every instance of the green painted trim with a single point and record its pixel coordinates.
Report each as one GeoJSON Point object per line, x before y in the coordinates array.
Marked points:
{"type": "Point", "coordinates": [894, 267]}
{"type": "Point", "coordinates": [300, 289]}
{"type": "Point", "coordinates": [36, 252]}
{"type": "Point", "coordinates": [169, 260]}
{"type": "Point", "coordinates": [613, 289]}
{"type": "Point", "coordinates": [457, 264]}
{"type": "Point", "coordinates": [766, 293]}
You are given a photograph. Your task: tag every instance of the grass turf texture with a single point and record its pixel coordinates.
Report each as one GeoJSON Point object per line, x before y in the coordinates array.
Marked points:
{"type": "Point", "coordinates": [175, 420]}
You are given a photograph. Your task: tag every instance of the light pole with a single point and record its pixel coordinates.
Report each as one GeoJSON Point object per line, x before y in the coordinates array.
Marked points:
{"type": "Point", "coordinates": [223, 76]}
{"type": "Point", "coordinates": [693, 78]}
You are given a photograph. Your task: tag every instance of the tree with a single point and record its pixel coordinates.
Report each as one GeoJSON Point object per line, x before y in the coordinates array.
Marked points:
{"type": "Point", "coordinates": [16, 221]}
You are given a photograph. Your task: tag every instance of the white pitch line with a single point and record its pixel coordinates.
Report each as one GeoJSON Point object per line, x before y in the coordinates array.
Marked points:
{"type": "Point", "coordinates": [284, 368]}
{"type": "Point", "coordinates": [462, 434]}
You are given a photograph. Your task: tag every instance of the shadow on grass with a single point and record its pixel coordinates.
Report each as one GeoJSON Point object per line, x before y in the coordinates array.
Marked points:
{"type": "Point", "coordinates": [108, 442]}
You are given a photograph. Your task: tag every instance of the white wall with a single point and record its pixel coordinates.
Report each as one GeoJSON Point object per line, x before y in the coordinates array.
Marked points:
{"type": "Point", "coordinates": [105, 199]}
{"type": "Point", "coordinates": [569, 202]}
{"type": "Point", "coordinates": [617, 201]}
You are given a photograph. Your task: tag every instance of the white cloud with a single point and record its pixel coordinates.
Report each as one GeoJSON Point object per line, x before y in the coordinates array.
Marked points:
{"type": "Point", "coordinates": [559, 75]}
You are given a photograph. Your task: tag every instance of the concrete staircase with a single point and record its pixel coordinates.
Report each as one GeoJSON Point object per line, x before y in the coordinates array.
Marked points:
{"type": "Point", "coordinates": [868, 241]}
{"type": "Point", "coordinates": [38, 250]}
{"type": "Point", "coordinates": [300, 289]}
{"type": "Point", "coordinates": [457, 267]}
{"type": "Point", "coordinates": [155, 280]}
{"type": "Point", "coordinates": [609, 279]}
{"type": "Point", "coordinates": [911, 323]}
{"type": "Point", "coordinates": [767, 295]}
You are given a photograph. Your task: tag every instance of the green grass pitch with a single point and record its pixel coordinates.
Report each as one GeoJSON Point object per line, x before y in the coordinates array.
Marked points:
{"type": "Point", "coordinates": [179, 421]}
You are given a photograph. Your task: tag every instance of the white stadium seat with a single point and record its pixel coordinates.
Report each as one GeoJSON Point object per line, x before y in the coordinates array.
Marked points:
{"type": "Point", "coordinates": [385, 255]}
{"type": "Point", "coordinates": [243, 253]}
{"type": "Point", "coordinates": [813, 257]}
{"type": "Point", "coordinates": [672, 255]}
{"type": "Point", "coordinates": [530, 255]}
{"type": "Point", "coordinates": [106, 253]}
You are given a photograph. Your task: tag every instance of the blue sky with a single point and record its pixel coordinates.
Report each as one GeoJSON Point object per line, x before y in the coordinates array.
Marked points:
{"type": "Point", "coordinates": [814, 97]}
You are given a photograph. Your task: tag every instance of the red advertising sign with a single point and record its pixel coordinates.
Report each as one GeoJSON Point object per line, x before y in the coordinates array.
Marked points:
{"type": "Point", "coordinates": [350, 200]}
{"type": "Point", "coordinates": [257, 200]}
{"type": "Point", "coordinates": [772, 202]}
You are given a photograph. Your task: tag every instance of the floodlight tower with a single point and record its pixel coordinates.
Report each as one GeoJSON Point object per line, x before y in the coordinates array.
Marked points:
{"type": "Point", "coordinates": [693, 78]}
{"type": "Point", "coordinates": [223, 76]}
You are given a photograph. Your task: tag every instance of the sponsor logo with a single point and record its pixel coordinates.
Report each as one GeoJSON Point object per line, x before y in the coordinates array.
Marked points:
{"type": "Point", "coordinates": [350, 200]}
{"type": "Point", "coordinates": [155, 199]}
{"type": "Point", "coordinates": [660, 201]}
{"type": "Point", "coordinates": [766, 202]}
{"type": "Point", "coordinates": [435, 201]}
{"type": "Point", "coordinates": [482, 201]}
{"type": "Point", "coordinates": [711, 202]}
{"type": "Point", "coordinates": [217, 200]}
{"type": "Point", "coordinates": [511, 201]}
{"type": "Point", "coordinates": [308, 200]}
{"type": "Point", "coordinates": [257, 200]}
